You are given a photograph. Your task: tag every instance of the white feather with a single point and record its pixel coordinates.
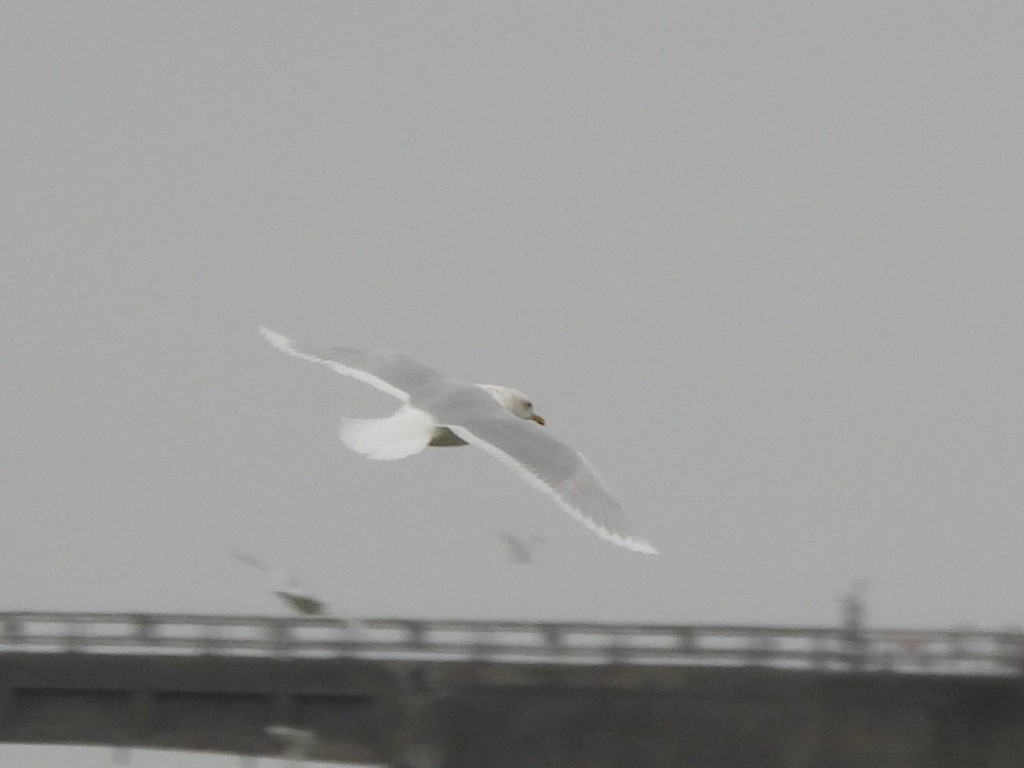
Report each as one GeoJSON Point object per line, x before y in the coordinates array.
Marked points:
{"type": "Point", "coordinates": [633, 543]}
{"type": "Point", "coordinates": [405, 432]}
{"type": "Point", "coordinates": [285, 344]}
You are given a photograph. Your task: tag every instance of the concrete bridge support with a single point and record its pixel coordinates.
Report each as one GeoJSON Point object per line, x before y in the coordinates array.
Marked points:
{"type": "Point", "coordinates": [733, 718]}
{"type": "Point", "coordinates": [492, 715]}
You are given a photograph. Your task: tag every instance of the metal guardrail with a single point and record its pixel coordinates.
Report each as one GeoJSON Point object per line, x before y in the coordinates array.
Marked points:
{"type": "Point", "coordinates": [909, 651]}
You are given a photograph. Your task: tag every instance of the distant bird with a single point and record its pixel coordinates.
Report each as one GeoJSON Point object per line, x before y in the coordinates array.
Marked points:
{"type": "Point", "coordinates": [520, 550]}
{"type": "Point", "coordinates": [438, 411]}
{"type": "Point", "coordinates": [298, 599]}
{"type": "Point", "coordinates": [297, 742]}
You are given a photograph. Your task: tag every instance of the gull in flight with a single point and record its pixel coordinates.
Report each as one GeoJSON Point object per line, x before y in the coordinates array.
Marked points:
{"type": "Point", "coordinates": [438, 411]}
{"type": "Point", "coordinates": [296, 598]}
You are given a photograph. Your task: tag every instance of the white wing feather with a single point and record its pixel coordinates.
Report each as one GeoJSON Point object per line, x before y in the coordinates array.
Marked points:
{"type": "Point", "coordinates": [287, 346]}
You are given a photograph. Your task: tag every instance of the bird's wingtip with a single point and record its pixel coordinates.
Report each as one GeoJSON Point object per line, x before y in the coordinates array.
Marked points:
{"type": "Point", "coordinates": [279, 340]}
{"type": "Point", "coordinates": [640, 545]}
{"type": "Point", "coordinates": [626, 541]}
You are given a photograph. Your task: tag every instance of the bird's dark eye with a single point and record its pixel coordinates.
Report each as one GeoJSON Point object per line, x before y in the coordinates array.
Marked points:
{"type": "Point", "coordinates": [528, 404]}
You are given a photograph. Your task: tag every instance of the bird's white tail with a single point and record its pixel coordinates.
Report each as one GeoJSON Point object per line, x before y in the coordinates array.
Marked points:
{"type": "Point", "coordinates": [403, 433]}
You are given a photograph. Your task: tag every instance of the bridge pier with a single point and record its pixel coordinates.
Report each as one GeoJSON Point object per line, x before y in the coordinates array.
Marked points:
{"type": "Point", "coordinates": [722, 718]}
{"type": "Point", "coordinates": [206, 703]}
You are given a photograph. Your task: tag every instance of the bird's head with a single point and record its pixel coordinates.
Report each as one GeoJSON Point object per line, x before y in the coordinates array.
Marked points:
{"type": "Point", "coordinates": [514, 401]}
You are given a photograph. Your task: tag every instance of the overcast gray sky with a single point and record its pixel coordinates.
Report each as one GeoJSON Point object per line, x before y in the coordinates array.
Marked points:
{"type": "Point", "coordinates": [762, 263]}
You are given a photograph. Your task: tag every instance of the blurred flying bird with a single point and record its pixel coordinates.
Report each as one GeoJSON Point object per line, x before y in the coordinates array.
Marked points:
{"type": "Point", "coordinates": [288, 590]}
{"type": "Point", "coordinates": [297, 743]}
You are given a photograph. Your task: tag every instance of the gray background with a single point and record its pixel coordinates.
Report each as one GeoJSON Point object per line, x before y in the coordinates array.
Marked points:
{"type": "Point", "coordinates": [760, 262]}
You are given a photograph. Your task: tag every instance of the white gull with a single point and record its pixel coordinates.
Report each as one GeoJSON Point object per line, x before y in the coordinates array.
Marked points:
{"type": "Point", "coordinates": [438, 411]}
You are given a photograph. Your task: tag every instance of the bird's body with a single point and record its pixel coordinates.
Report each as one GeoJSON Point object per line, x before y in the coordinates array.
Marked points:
{"type": "Point", "coordinates": [300, 602]}
{"type": "Point", "coordinates": [445, 438]}
{"type": "Point", "coordinates": [441, 412]}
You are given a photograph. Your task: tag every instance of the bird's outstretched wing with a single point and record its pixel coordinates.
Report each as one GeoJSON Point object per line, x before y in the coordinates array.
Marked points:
{"type": "Point", "coordinates": [248, 559]}
{"type": "Point", "coordinates": [394, 373]}
{"type": "Point", "coordinates": [518, 550]}
{"type": "Point", "coordinates": [560, 471]}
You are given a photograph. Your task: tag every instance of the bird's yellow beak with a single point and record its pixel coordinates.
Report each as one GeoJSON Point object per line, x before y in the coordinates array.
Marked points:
{"type": "Point", "coordinates": [538, 418]}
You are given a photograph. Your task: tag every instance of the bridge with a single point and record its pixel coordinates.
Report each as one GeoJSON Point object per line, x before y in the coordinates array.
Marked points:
{"type": "Point", "coordinates": [447, 694]}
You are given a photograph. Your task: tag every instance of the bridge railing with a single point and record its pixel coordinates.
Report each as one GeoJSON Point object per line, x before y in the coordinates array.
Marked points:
{"type": "Point", "coordinates": [911, 651]}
